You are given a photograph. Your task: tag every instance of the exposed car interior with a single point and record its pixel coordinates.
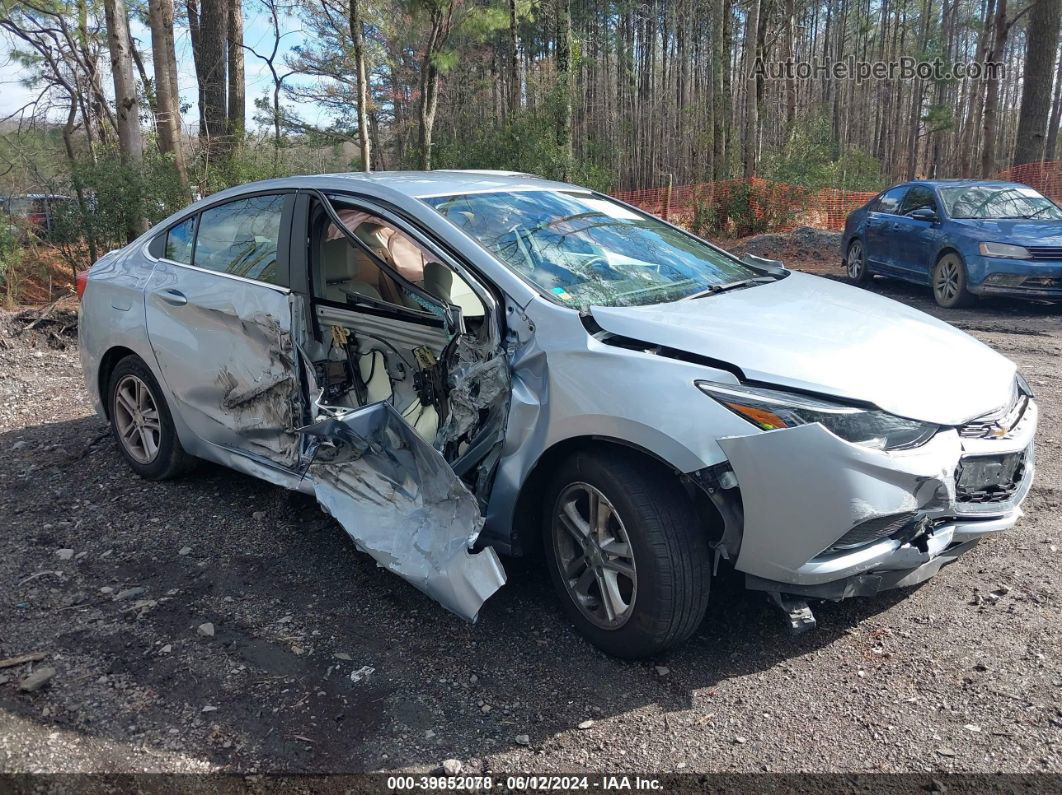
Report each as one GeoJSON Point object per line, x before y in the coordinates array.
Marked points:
{"type": "Point", "coordinates": [384, 336]}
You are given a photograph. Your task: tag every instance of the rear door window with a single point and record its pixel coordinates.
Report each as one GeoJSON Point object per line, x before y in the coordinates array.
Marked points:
{"type": "Point", "coordinates": [890, 200]}
{"type": "Point", "coordinates": [242, 238]}
{"type": "Point", "coordinates": [179, 241]}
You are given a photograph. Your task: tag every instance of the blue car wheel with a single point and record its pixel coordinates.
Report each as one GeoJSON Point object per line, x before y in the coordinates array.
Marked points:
{"type": "Point", "coordinates": [856, 262]}
{"type": "Point", "coordinates": [949, 282]}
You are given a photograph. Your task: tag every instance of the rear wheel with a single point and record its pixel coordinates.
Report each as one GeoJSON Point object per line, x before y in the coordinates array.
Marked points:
{"type": "Point", "coordinates": [949, 283]}
{"type": "Point", "coordinates": [626, 554]}
{"type": "Point", "coordinates": [856, 262]}
{"type": "Point", "coordinates": [142, 424]}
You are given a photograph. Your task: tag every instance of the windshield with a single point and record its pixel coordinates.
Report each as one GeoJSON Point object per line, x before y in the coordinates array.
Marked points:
{"type": "Point", "coordinates": [583, 249]}
{"type": "Point", "coordinates": [995, 201]}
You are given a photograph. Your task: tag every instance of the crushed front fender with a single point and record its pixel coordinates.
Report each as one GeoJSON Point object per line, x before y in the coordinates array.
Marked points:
{"type": "Point", "coordinates": [401, 503]}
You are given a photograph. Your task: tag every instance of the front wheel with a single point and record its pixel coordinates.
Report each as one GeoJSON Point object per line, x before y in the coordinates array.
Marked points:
{"type": "Point", "coordinates": [949, 283]}
{"type": "Point", "coordinates": [856, 263]}
{"type": "Point", "coordinates": [626, 554]}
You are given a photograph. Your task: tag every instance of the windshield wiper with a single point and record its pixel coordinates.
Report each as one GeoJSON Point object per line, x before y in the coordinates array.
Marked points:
{"type": "Point", "coordinates": [715, 289]}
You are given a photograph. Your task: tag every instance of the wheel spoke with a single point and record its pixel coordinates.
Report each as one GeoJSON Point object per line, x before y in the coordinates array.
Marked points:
{"type": "Point", "coordinates": [586, 579]}
{"type": "Point", "coordinates": [147, 441]}
{"type": "Point", "coordinates": [606, 596]}
{"type": "Point", "coordinates": [574, 523]}
{"type": "Point", "coordinates": [620, 567]}
{"type": "Point", "coordinates": [576, 565]}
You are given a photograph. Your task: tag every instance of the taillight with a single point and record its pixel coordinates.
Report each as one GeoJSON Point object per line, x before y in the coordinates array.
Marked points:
{"type": "Point", "coordinates": [82, 283]}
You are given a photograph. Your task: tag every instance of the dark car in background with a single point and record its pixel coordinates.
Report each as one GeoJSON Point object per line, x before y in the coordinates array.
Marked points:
{"type": "Point", "coordinates": [963, 238]}
{"type": "Point", "coordinates": [38, 210]}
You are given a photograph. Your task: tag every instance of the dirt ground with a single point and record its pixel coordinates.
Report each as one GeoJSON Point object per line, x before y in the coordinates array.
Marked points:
{"type": "Point", "coordinates": [319, 661]}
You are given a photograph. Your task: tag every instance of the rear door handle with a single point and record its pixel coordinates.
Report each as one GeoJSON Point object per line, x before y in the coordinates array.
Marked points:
{"type": "Point", "coordinates": [175, 297]}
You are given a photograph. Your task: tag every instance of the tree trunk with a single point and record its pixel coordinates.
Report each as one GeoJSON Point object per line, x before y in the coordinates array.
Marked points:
{"type": "Point", "coordinates": [752, 123]}
{"type": "Point", "coordinates": [988, 129]}
{"type": "Point", "coordinates": [1040, 47]}
{"type": "Point", "coordinates": [168, 115]}
{"type": "Point", "coordinates": [237, 101]}
{"type": "Point", "coordinates": [514, 61]}
{"type": "Point", "coordinates": [564, 85]}
{"type": "Point", "coordinates": [1056, 115]}
{"type": "Point", "coordinates": [207, 24]}
{"type": "Point", "coordinates": [130, 140]}
{"type": "Point", "coordinates": [356, 37]}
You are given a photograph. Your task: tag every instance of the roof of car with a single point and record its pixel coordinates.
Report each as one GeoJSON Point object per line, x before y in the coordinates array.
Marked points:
{"type": "Point", "coordinates": [444, 182]}
{"type": "Point", "coordinates": [956, 183]}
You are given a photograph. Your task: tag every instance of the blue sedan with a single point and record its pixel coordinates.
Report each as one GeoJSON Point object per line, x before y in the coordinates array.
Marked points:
{"type": "Point", "coordinates": [964, 238]}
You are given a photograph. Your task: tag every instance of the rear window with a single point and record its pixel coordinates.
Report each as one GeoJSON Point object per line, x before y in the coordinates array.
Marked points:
{"type": "Point", "coordinates": [241, 238]}
{"type": "Point", "coordinates": [179, 242]}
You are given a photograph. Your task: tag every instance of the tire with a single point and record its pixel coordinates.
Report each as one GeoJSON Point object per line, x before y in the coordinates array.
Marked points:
{"type": "Point", "coordinates": [142, 424]}
{"type": "Point", "coordinates": [856, 263]}
{"type": "Point", "coordinates": [664, 601]}
{"type": "Point", "coordinates": [949, 283]}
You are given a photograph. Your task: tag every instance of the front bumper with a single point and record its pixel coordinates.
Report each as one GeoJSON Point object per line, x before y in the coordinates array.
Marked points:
{"type": "Point", "coordinates": [803, 490]}
{"type": "Point", "coordinates": [1015, 278]}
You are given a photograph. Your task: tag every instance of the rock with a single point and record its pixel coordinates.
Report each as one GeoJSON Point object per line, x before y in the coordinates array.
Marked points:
{"type": "Point", "coordinates": [586, 724]}
{"type": "Point", "coordinates": [362, 673]}
{"type": "Point", "coordinates": [741, 740]}
{"type": "Point", "coordinates": [4, 679]}
{"type": "Point", "coordinates": [64, 554]}
{"type": "Point", "coordinates": [259, 515]}
{"type": "Point", "coordinates": [485, 709]}
{"type": "Point", "coordinates": [662, 670]}
{"type": "Point", "coordinates": [210, 708]}
{"type": "Point", "coordinates": [451, 767]}
{"type": "Point", "coordinates": [37, 679]}
{"type": "Point", "coordinates": [18, 445]}
{"type": "Point", "coordinates": [342, 655]}
{"type": "Point", "coordinates": [206, 630]}
{"type": "Point", "coordinates": [946, 751]}
{"type": "Point", "coordinates": [522, 739]}
{"type": "Point", "coordinates": [473, 679]}
{"type": "Point", "coordinates": [166, 649]}
{"type": "Point", "coordinates": [972, 727]}
{"type": "Point", "coordinates": [1002, 590]}
{"type": "Point", "coordinates": [184, 551]}
{"type": "Point", "coordinates": [129, 593]}
{"type": "Point", "coordinates": [106, 589]}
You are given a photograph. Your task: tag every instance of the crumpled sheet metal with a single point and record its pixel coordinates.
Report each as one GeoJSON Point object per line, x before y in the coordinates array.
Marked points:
{"type": "Point", "coordinates": [803, 488]}
{"type": "Point", "coordinates": [478, 379]}
{"type": "Point", "coordinates": [402, 504]}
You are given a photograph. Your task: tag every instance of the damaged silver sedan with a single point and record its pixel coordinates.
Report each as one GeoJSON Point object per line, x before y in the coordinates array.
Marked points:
{"type": "Point", "coordinates": [461, 364]}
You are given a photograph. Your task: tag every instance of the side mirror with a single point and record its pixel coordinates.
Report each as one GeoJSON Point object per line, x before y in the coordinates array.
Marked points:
{"type": "Point", "coordinates": [924, 214]}
{"type": "Point", "coordinates": [769, 265]}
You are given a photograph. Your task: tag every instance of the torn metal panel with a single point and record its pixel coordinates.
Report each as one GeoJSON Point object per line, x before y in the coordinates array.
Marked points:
{"type": "Point", "coordinates": [803, 488]}
{"type": "Point", "coordinates": [401, 503]}
{"type": "Point", "coordinates": [478, 380]}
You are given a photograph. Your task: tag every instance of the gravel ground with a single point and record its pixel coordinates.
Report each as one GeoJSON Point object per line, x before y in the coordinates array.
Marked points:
{"type": "Point", "coordinates": [318, 661]}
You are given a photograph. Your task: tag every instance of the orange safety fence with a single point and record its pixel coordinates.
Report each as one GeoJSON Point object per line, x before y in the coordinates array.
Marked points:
{"type": "Point", "coordinates": [1045, 177]}
{"type": "Point", "coordinates": [777, 206]}
{"type": "Point", "coordinates": [782, 207]}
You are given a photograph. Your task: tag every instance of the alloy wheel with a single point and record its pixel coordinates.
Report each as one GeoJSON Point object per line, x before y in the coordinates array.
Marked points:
{"type": "Point", "coordinates": [594, 555]}
{"type": "Point", "coordinates": [946, 280]}
{"type": "Point", "coordinates": [855, 261]}
{"type": "Point", "coordinates": [136, 417]}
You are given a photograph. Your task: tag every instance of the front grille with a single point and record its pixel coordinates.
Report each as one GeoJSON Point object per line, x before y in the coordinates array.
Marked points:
{"type": "Point", "coordinates": [989, 478]}
{"type": "Point", "coordinates": [1045, 252]}
{"type": "Point", "coordinates": [1042, 283]}
{"type": "Point", "coordinates": [872, 530]}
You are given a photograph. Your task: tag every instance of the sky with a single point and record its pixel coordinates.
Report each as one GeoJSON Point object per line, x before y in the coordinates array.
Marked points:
{"type": "Point", "coordinates": [258, 34]}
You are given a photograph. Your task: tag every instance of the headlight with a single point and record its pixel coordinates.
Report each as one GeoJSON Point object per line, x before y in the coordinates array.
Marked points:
{"type": "Point", "coordinates": [772, 409]}
{"type": "Point", "coordinates": [1004, 250]}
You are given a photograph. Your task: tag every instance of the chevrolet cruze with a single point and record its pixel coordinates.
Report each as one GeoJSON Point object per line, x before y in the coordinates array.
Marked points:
{"type": "Point", "coordinates": [458, 364]}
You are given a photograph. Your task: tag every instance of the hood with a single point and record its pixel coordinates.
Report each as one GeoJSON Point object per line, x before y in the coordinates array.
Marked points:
{"type": "Point", "coordinates": [1020, 231]}
{"type": "Point", "coordinates": [811, 333]}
